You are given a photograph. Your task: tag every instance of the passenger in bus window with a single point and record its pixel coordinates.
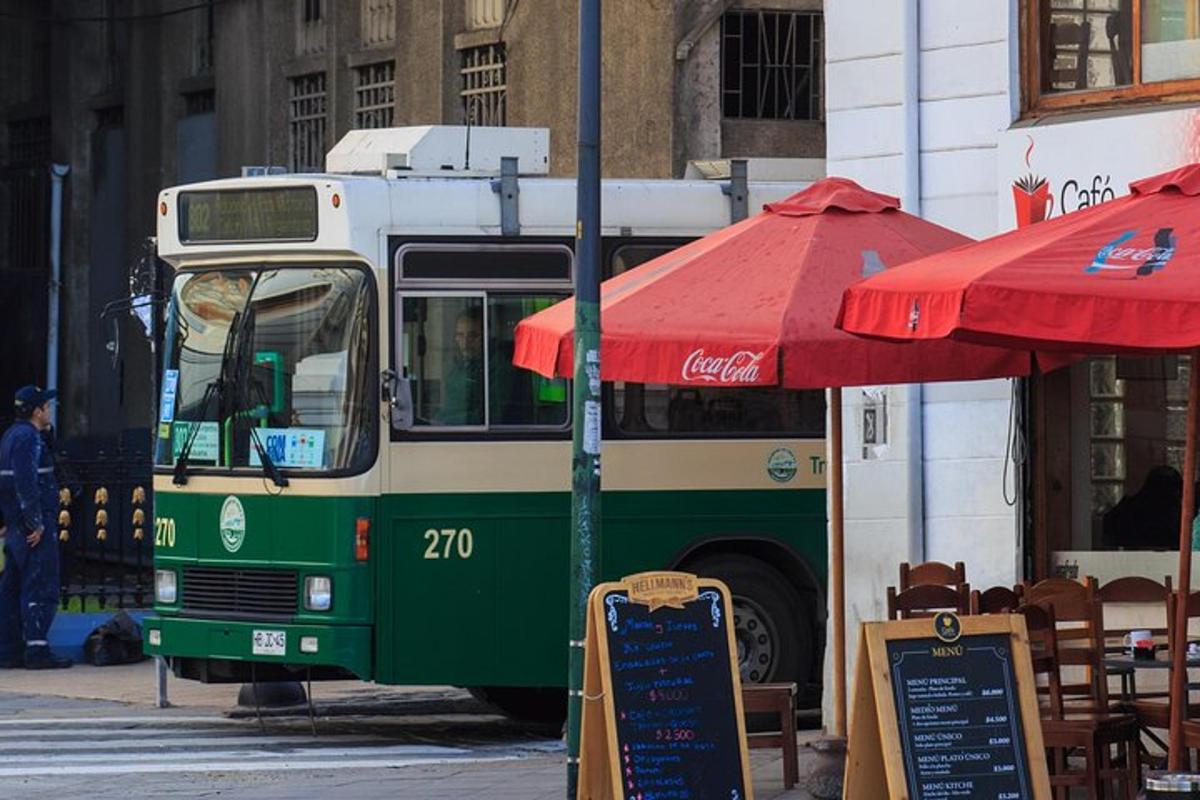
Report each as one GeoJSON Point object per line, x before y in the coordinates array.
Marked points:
{"type": "Point", "coordinates": [462, 397]}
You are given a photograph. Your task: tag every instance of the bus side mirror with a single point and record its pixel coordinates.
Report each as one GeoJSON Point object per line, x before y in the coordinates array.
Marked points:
{"type": "Point", "coordinates": [397, 395]}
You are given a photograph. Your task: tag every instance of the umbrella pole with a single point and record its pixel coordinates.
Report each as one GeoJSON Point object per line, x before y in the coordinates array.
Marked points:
{"type": "Point", "coordinates": [1179, 694]}
{"type": "Point", "coordinates": [837, 578]}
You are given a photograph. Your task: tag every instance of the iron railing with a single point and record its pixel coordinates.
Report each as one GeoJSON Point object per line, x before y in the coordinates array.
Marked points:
{"type": "Point", "coordinates": [106, 524]}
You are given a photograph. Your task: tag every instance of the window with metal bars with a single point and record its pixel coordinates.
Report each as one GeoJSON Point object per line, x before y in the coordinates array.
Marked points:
{"type": "Point", "coordinates": [312, 10]}
{"type": "Point", "coordinates": [374, 95]}
{"type": "Point", "coordinates": [201, 102]}
{"type": "Point", "coordinates": [484, 84]}
{"type": "Point", "coordinates": [306, 122]}
{"type": "Point", "coordinates": [771, 65]}
{"type": "Point", "coordinates": [29, 141]}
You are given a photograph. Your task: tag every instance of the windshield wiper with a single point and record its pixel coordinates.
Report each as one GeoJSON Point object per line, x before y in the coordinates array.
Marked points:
{"type": "Point", "coordinates": [241, 372]}
{"type": "Point", "coordinates": [269, 467]}
{"type": "Point", "coordinates": [214, 390]}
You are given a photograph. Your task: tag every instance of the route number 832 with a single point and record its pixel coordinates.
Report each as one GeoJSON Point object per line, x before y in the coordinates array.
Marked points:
{"type": "Point", "coordinates": [449, 543]}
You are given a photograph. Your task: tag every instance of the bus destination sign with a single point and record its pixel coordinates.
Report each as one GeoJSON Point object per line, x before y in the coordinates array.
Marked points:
{"type": "Point", "coordinates": [280, 214]}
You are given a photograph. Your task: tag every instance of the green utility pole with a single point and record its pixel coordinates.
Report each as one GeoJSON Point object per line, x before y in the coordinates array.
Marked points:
{"type": "Point", "coordinates": [585, 455]}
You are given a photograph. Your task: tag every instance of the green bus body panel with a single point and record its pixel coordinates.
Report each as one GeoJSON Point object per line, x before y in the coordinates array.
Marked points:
{"type": "Point", "coordinates": [346, 646]}
{"type": "Point", "coordinates": [310, 535]}
{"type": "Point", "coordinates": [484, 608]}
{"type": "Point", "coordinates": [500, 616]}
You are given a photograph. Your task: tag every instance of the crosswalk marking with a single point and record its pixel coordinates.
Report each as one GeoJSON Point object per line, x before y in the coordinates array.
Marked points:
{"type": "Point", "coordinates": [235, 766]}
{"type": "Point", "coordinates": [61, 747]}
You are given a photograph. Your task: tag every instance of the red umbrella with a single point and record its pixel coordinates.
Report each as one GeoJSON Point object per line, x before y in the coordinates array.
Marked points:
{"type": "Point", "coordinates": [1119, 277]}
{"type": "Point", "coordinates": [753, 305]}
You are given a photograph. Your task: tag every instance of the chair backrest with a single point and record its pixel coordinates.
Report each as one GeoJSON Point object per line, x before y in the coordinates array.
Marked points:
{"type": "Point", "coordinates": [1070, 41]}
{"type": "Point", "coordinates": [932, 573]}
{"type": "Point", "coordinates": [1079, 629]}
{"type": "Point", "coordinates": [1134, 591]}
{"type": "Point", "coordinates": [924, 601]}
{"type": "Point", "coordinates": [1193, 610]}
{"type": "Point", "coordinates": [1043, 652]}
{"type": "Point", "coordinates": [996, 600]}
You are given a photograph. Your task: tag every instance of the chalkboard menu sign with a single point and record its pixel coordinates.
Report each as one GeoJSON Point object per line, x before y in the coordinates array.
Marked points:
{"type": "Point", "coordinates": [662, 715]}
{"type": "Point", "coordinates": [948, 715]}
{"type": "Point", "coordinates": [959, 719]}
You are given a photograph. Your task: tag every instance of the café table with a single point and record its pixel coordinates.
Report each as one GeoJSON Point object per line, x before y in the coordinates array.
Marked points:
{"type": "Point", "coordinates": [1126, 666]}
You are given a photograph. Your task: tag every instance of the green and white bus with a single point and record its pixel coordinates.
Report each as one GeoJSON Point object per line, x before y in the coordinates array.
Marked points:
{"type": "Point", "coordinates": [353, 480]}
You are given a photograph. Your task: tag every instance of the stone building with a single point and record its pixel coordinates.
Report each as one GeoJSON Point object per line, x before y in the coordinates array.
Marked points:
{"type": "Point", "coordinates": [133, 96]}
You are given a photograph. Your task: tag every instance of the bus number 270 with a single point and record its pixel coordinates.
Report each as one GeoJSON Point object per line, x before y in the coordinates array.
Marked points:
{"type": "Point", "coordinates": [449, 543]}
{"type": "Point", "coordinates": [164, 532]}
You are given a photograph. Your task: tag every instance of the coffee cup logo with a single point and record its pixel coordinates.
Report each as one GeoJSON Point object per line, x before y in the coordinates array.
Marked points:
{"type": "Point", "coordinates": [1032, 200]}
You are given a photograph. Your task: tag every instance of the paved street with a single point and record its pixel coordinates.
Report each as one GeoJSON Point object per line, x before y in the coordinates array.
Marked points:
{"type": "Point", "coordinates": [67, 733]}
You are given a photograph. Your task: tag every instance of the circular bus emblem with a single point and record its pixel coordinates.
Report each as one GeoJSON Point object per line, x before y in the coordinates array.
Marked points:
{"type": "Point", "coordinates": [233, 524]}
{"type": "Point", "coordinates": [781, 465]}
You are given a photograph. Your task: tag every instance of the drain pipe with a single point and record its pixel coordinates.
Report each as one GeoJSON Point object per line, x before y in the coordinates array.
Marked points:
{"type": "Point", "coordinates": [58, 172]}
{"type": "Point", "coordinates": [911, 202]}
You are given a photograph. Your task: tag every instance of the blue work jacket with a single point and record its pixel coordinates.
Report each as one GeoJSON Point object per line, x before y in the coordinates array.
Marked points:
{"type": "Point", "coordinates": [28, 488]}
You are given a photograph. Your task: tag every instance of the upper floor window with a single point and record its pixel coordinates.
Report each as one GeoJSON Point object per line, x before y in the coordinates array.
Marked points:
{"type": "Point", "coordinates": [1085, 52]}
{"type": "Point", "coordinates": [771, 65]}
{"type": "Point", "coordinates": [374, 95]}
{"type": "Point", "coordinates": [484, 84]}
{"type": "Point", "coordinates": [306, 122]}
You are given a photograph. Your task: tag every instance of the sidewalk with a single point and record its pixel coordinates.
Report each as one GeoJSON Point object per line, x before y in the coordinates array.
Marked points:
{"type": "Point", "coordinates": [538, 776]}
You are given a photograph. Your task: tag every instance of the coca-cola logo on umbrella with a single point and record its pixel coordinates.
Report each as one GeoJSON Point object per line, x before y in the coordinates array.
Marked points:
{"type": "Point", "coordinates": [736, 368]}
{"type": "Point", "coordinates": [1127, 253]}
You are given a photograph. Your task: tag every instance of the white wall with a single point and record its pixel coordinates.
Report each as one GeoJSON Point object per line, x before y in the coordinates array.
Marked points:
{"type": "Point", "coordinates": [936, 492]}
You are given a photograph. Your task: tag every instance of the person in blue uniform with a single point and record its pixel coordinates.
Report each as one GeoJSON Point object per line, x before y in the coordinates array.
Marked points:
{"type": "Point", "coordinates": [29, 584]}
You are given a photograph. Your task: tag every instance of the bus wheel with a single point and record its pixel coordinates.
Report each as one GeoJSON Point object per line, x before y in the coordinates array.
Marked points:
{"type": "Point", "coordinates": [773, 626]}
{"type": "Point", "coordinates": [541, 704]}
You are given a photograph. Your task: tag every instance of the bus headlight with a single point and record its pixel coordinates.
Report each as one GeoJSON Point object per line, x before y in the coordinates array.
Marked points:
{"type": "Point", "coordinates": [318, 593]}
{"type": "Point", "coordinates": [165, 586]}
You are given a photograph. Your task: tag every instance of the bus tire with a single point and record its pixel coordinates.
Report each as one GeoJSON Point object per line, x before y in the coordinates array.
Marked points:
{"type": "Point", "coordinates": [545, 705]}
{"type": "Point", "coordinates": [774, 623]}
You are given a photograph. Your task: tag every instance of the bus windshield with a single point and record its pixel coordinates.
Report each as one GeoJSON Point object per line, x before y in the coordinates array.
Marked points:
{"type": "Point", "coordinates": [277, 358]}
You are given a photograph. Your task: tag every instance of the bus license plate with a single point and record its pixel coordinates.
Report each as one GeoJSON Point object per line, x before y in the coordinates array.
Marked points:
{"type": "Point", "coordinates": [270, 643]}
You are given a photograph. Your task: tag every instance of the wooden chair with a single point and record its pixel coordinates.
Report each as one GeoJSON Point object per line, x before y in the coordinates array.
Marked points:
{"type": "Point", "coordinates": [932, 573]}
{"type": "Point", "coordinates": [1091, 736]}
{"type": "Point", "coordinates": [777, 698]}
{"type": "Point", "coordinates": [1155, 711]}
{"type": "Point", "coordinates": [996, 600]}
{"type": "Point", "coordinates": [1066, 65]}
{"type": "Point", "coordinates": [925, 601]}
{"type": "Point", "coordinates": [1080, 636]}
{"type": "Point", "coordinates": [1134, 591]}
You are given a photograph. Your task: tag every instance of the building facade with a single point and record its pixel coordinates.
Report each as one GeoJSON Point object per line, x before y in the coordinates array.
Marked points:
{"type": "Point", "coordinates": [982, 117]}
{"type": "Point", "coordinates": [131, 98]}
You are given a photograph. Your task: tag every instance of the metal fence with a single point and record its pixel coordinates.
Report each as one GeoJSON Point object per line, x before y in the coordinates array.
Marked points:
{"type": "Point", "coordinates": [106, 524]}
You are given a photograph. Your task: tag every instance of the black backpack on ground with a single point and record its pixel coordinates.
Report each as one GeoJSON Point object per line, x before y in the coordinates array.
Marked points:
{"type": "Point", "coordinates": [117, 641]}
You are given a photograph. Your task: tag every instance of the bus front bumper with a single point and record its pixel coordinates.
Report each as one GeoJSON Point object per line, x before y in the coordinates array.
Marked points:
{"type": "Point", "coordinates": [345, 646]}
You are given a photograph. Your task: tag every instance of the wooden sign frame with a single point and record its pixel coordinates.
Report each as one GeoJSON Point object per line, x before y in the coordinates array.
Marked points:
{"type": "Point", "coordinates": [875, 756]}
{"type": "Point", "coordinates": [599, 762]}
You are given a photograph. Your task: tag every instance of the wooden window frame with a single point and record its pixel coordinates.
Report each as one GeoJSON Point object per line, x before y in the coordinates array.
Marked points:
{"type": "Point", "coordinates": [1035, 103]}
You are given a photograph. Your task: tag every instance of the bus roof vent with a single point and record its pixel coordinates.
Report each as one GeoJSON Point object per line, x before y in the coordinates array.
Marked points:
{"type": "Point", "coordinates": [443, 150]}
